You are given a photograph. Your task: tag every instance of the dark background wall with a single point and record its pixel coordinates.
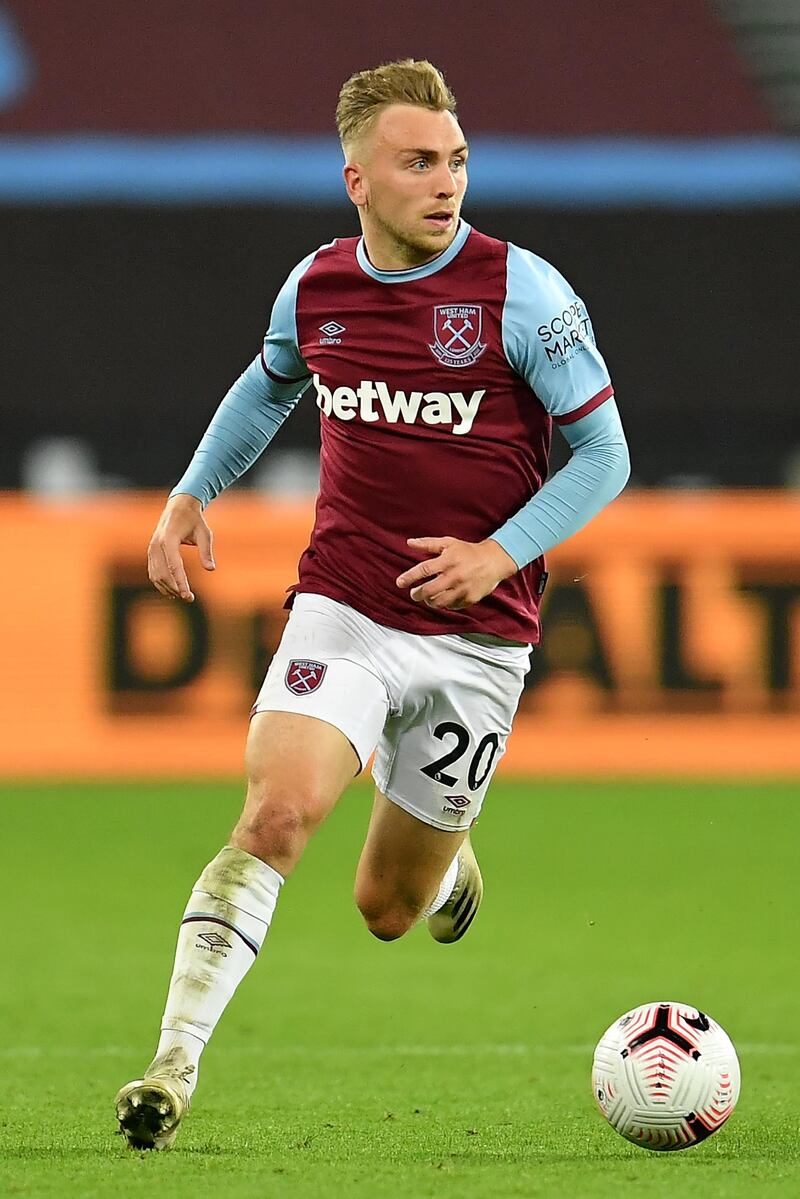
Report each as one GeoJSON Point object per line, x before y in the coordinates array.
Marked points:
{"type": "Point", "coordinates": [126, 326]}
{"type": "Point", "coordinates": [579, 67]}
{"type": "Point", "coordinates": [125, 320]}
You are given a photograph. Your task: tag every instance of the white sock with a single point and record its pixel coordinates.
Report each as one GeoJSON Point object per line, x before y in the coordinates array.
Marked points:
{"type": "Point", "coordinates": [445, 890]}
{"type": "Point", "coordinates": [223, 928]}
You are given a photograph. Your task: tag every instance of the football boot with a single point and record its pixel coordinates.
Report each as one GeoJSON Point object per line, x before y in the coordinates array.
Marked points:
{"type": "Point", "coordinates": [456, 915]}
{"type": "Point", "coordinates": [150, 1109]}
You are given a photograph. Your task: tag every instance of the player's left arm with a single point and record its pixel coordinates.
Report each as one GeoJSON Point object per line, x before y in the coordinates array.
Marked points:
{"type": "Point", "coordinates": [577, 393]}
{"type": "Point", "coordinates": [459, 573]}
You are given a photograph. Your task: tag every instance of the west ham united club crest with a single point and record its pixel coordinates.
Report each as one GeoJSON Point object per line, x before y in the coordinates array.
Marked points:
{"type": "Point", "coordinates": [457, 332]}
{"type": "Point", "coordinates": [303, 677]}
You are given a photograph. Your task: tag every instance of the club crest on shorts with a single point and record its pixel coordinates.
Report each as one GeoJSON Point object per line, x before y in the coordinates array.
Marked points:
{"type": "Point", "coordinates": [303, 676]}
{"type": "Point", "coordinates": [457, 332]}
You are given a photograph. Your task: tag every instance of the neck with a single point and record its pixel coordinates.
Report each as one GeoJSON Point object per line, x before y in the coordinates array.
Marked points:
{"type": "Point", "coordinates": [387, 253]}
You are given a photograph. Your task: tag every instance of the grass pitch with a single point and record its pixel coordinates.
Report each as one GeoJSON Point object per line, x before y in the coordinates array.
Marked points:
{"type": "Point", "coordinates": [350, 1068]}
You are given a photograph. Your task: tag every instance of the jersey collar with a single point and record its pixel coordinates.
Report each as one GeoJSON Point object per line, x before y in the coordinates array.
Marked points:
{"type": "Point", "coordinates": [415, 272]}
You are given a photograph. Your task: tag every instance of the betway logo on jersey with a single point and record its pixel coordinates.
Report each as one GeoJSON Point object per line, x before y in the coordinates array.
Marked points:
{"type": "Point", "coordinates": [371, 400]}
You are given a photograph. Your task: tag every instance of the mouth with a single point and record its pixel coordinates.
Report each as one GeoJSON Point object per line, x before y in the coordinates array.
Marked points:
{"type": "Point", "coordinates": [440, 220]}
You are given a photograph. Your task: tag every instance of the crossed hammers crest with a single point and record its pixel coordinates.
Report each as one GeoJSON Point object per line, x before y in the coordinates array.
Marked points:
{"type": "Point", "coordinates": [303, 678]}
{"type": "Point", "coordinates": [458, 334]}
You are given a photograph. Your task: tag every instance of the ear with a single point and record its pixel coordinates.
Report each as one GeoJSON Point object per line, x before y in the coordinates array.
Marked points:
{"type": "Point", "coordinates": [356, 184]}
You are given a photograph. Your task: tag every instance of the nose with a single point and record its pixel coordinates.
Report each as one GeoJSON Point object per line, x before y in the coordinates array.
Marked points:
{"type": "Point", "coordinates": [446, 185]}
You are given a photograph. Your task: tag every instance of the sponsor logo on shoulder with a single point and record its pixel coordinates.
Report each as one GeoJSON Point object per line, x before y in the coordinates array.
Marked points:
{"type": "Point", "coordinates": [332, 331]}
{"type": "Point", "coordinates": [303, 676]}
{"type": "Point", "coordinates": [457, 334]}
{"type": "Point", "coordinates": [566, 335]}
{"type": "Point", "coordinates": [370, 401]}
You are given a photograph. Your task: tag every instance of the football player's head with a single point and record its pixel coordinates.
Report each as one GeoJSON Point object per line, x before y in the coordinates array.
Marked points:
{"type": "Point", "coordinates": [405, 160]}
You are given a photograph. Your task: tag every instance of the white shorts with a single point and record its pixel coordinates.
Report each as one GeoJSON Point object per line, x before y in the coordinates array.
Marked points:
{"type": "Point", "coordinates": [437, 711]}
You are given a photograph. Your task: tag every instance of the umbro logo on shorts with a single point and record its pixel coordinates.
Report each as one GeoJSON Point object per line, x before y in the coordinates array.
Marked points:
{"type": "Point", "coordinates": [458, 801]}
{"type": "Point", "coordinates": [302, 676]}
{"type": "Point", "coordinates": [454, 805]}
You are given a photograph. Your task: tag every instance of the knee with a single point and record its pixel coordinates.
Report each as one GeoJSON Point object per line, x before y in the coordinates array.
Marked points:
{"type": "Point", "coordinates": [276, 824]}
{"type": "Point", "coordinates": [386, 917]}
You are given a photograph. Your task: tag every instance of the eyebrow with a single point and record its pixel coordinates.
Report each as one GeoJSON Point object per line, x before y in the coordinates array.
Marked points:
{"type": "Point", "coordinates": [435, 153]}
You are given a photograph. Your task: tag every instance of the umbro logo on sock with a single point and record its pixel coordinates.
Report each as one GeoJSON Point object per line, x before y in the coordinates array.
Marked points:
{"type": "Point", "coordinates": [214, 940]}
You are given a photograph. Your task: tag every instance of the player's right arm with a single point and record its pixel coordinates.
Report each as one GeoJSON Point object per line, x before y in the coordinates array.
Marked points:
{"type": "Point", "coordinates": [244, 424]}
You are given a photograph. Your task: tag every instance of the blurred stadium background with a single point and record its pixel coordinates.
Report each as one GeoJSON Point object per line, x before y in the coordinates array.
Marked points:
{"type": "Point", "coordinates": [163, 167]}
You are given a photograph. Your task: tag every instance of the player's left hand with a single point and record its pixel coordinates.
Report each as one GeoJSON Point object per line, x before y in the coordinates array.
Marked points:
{"type": "Point", "coordinates": [460, 574]}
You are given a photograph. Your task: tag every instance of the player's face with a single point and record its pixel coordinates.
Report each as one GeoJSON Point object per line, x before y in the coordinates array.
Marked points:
{"type": "Point", "coordinates": [408, 178]}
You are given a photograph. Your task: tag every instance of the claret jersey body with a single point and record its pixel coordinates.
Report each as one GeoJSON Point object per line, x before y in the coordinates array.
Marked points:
{"type": "Point", "coordinates": [437, 387]}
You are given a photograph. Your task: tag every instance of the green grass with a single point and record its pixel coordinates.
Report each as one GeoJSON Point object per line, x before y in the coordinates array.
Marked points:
{"type": "Point", "coordinates": [350, 1068]}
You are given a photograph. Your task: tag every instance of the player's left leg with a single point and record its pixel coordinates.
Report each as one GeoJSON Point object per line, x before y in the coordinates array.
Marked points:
{"type": "Point", "coordinates": [409, 870]}
{"type": "Point", "coordinates": [433, 766]}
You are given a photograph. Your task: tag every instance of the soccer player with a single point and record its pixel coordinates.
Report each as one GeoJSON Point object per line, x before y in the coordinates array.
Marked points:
{"type": "Point", "coordinates": [439, 358]}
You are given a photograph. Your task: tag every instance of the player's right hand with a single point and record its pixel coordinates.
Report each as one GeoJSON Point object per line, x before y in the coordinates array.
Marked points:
{"type": "Point", "coordinates": [182, 523]}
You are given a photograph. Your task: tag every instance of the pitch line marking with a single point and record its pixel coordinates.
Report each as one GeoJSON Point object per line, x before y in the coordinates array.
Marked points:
{"type": "Point", "coordinates": [755, 1049]}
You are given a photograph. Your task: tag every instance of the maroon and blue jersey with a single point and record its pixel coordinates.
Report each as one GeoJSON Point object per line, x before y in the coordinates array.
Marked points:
{"type": "Point", "coordinates": [437, 388]}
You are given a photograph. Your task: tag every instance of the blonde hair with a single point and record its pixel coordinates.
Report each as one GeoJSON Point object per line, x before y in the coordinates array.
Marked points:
{"type": "Point", "coordinates": [409, 81]}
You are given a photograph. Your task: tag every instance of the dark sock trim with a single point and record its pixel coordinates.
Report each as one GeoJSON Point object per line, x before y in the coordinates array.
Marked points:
{"type": "Point", "coordinates": [225, 924]}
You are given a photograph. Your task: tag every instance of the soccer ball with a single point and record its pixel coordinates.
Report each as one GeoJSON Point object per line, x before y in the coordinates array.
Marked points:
{"type": "Point", "coordinates": [665, 1076]}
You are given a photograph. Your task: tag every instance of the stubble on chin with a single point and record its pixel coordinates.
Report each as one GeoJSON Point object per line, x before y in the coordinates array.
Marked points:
{"type": "Point", "coordinates": [416, 247]}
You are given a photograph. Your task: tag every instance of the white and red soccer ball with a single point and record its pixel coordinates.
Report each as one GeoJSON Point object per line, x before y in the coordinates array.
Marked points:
{"type": "Point", "coordinates": [665, 1076]}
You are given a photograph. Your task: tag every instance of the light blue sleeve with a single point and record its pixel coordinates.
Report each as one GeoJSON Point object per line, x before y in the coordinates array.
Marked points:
{"type": "Point", "coordinates": [255, 407]}
{"type": "Point", "coordinates": [597, 472]}
{"type": "Point", "coordinates": [280, 354]}
{"type": "Point", "coordinates": [548, 339]}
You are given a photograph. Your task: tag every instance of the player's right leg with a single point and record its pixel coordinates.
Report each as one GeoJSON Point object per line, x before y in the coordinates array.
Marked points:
{"type": "Point", "coordinates": [297, 768]}
{"type": "Point", "coordinates": [317, 719]}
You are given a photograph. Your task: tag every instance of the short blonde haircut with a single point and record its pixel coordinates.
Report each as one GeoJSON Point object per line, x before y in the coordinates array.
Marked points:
{"type": "Point", "coordinates": [409, 81]}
